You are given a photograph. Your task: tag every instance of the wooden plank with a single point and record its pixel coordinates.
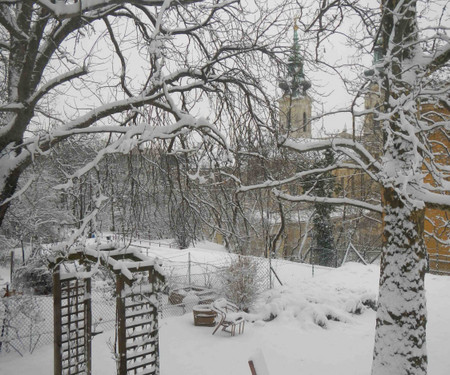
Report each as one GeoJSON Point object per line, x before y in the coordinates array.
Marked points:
{"type": "Point", "coordinates": [65, 315]}
{"type": "Point", "coordinates": [138, 304]}
{"type": "Point", "coordinates": [57, 337]}
{"type": "Point", "coordinates": [138, 323]}
{"type": "Point", "coordinates": [142, 353]}
{"type": "Point", "coordinates": [137, 334]}
{"type": "Point", "coordinates": [140, 312]}
{"type": "Point", "coordinates": [73, 296]}
{"type": "Point", "coordinates": [76, 356]}
{"type": "Point", "coordinates": [155, 278]}
{"type": "Point", "coordinates": [69, 321]}
{"type": "Point", "coordinates": [88, 326]}
{"type": "Point", "coordinates": [144, 363]}
{"type": "Point", "coordinates": [143, 342]}
{"type": "Point", "coordinates": [72, 344]}
{"type": "Point", "coordinates": [121, 325]}
{"type": "Point", "coordinates": [70, 333]}
{"type": "Point", "coordinates": [67, 349]}
{"type": "Point", "coordinates": [75, 370]}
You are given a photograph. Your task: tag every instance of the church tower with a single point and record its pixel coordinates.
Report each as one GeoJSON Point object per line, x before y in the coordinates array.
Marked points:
{"type": "Point", "coordinates": [372, 134]}
{"type": "Point", "coordinates": [295, 104]}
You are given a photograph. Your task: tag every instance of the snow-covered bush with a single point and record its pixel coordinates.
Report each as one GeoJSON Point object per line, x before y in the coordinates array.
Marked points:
{"type": "Point", "coordinates": [34, 277]}
{"type": "Point", "coordinates": [241, 282]}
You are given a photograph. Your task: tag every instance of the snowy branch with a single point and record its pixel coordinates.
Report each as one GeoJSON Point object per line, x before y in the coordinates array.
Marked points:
{"type": "Point", "coordinates": [62, 10]}
{"type": "Point", "coordinates": [328, 200]}
{"type": "Point", "coordinates": [8, 21]}
{"type": "Point", "coordinates": [295, 177]}
{"type": "Point", "coordinates": [76, 73]}
{"type": "Point", "coordinates": [334, 144]}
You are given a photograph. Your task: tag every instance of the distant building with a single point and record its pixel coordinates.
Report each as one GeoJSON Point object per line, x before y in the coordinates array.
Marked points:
{"type": "Point", "coordinates": [437, 221]}
{"type": "Point", "coordinates": [295, 104]}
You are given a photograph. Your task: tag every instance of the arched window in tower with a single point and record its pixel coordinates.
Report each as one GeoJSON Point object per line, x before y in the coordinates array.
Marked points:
{"type": "Point", "coordinates": [305, 120]}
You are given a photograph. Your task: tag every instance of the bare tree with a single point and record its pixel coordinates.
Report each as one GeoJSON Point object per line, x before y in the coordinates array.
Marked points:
{"type": "Point", "coordinates": [136, 71]}
{"type": "Point", "coordinates": [410, 80]}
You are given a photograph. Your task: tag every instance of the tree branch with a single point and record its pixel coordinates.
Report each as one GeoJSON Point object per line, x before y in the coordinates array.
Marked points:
{"type": "Point", "coordinates": [327, 200]}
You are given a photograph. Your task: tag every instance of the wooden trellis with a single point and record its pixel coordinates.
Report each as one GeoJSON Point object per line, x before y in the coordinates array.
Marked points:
{"type": "Point", "coordinates": [72, 330]}
{"type": "Point", "coordinates": [137, 282]}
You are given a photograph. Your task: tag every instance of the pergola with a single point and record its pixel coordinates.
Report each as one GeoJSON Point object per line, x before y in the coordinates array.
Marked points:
{"type": "Point", "coordinates": [136, 311]}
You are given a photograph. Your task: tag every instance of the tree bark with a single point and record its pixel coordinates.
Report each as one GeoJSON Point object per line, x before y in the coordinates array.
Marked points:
{"type": "Point", "coordinates": [400, 341]}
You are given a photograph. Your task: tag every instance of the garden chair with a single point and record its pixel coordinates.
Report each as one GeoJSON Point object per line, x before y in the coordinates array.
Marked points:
{"type": "Point", "coordinates": [229, 316]}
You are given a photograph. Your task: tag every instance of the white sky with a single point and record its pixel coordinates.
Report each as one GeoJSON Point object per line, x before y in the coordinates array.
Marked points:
{"type": "Point", "coordinates": [328, 91]}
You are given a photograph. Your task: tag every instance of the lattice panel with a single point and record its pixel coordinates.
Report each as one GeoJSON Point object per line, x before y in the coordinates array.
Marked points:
{"type": "Point", "coordinates": [75, 326]}
{"type": "Point", "coordinates": [141, 335]}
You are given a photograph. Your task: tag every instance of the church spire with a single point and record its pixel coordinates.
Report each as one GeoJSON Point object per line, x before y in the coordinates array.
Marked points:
{"type": "Point", "coordinates": [295, 83]}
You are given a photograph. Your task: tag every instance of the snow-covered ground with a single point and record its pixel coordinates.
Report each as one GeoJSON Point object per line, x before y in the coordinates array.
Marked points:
{"type": "Point", "coordinates": [304, 338]}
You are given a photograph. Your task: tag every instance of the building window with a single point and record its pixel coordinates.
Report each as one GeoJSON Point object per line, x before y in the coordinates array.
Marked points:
{"type": "Point", "coordinates": [304, 121]}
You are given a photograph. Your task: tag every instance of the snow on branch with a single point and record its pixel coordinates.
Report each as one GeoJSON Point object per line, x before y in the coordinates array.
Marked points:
{"type": "Point", "coordinates": [440, 59]}
{"type": "Point", "coordinates": [75, 73]}
{"type": "Point", "coordinates": [334, 144]}
{"type": "Point", "coordinates": [61, 9]}
{"type": "Point", "coordinates": [136, 135]}
{"type": "Point", "coordinates": [333, 201]}
{"type": "Point", "coordinates": [8, 21]}
{"type": "Point", "coordinates": [295, 177]}
{"type": "Point", "coordinates": [432, 200]}
{"type": "Point", "coordinates": [12, 107]}
{"type": "Point", "coordinates": [20, 192]}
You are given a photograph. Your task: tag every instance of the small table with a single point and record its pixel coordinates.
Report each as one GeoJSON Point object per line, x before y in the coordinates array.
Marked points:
{"type": "Point", "coordinates": [204, 316]}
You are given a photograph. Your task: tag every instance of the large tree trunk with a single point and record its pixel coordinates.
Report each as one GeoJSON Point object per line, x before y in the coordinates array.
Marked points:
{"type": "Point", "coordinates": [9, 178]}
{"type": "Point", "coordinates": [400, 341]}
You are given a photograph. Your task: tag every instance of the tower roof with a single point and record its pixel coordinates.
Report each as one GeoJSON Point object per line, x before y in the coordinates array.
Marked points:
{"type": "Point", "coordinates": [295, 83]}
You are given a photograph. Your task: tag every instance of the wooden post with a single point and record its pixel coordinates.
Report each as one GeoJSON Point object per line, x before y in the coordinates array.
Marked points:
{"type": "Point", "coordinates": [57, 355]}
{"type": "Point", "coordinates": [252, 367]}
{"type": "Point", "coordinates": [23, 251]}
{"type": "Point", "coordinates": [121, 325]}
{"type": "Point", "coordinates": [11, 268]}
{"type": "Point", "coordinates": [189, 269]}
{"type": "Point", "coordinates": [270, 273]}
{"type": "Point", "coordinates": [153, 279]}
{"type": "Point", "coordinates": [88, 325]}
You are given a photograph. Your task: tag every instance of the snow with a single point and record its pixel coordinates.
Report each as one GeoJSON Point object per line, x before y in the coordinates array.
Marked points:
{"type": "Point", "coordinates": [305, 336]}
{"type": "Point", "coordinates": [259, 362]}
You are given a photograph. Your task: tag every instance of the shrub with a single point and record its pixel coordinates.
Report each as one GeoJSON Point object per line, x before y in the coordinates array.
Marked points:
{"type": "Point", "coordinates": [34, 276]}
{"type": "Point", "coordinates": [241, 284]}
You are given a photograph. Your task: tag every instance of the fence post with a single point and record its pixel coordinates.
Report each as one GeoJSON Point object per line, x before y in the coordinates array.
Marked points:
{"type": "Point", "coordinates": [121, 328]}
{"type": "Point", "coordinates": [57, 319]}
{"type": "Point", "coordinates": [270, 271]}
{"type": "Point", "coordinates": [11, 267]}
{"type": "Point", "coordinates": [189, 268]}
{"type": "Point", "coordinates": [23, 251]}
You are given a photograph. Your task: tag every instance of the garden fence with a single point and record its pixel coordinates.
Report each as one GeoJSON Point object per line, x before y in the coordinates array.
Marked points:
{"type": "Point", "coordinates": [26, 321]}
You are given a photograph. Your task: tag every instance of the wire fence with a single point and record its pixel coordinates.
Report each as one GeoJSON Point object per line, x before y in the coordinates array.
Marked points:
{"type": "Point", "coordinates": [26, 321]}
{"type": "Point", "coordinates": [439, 263]}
